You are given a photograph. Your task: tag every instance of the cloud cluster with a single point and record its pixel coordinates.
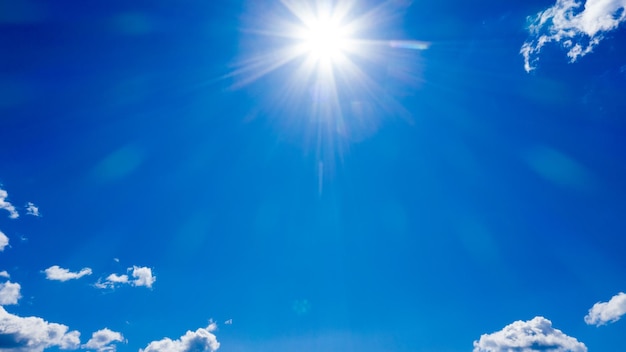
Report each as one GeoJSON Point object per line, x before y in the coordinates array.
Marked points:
{"type": "Point", "coordinates": [577, 25]}
{"type": "Point", "coordinates": [9, 293]}
{"type": "Point", "coordinates": [201, 340]}
{"type": "Point", "coordinates": [32, 209]}
{"type": "Point", "coordinates": [528, 336]}
{"type": "Point", "coordinates": [4, 241]}
{"type": "Point", "coordinates": [33, 334]}
{"type": "Point", "coordinates": [607, 312]}
{"type": "Point", "coordinates": [102, 340]}
{"type": "Point", "coordinates": [57, 273]}
{"type": "Point", "coordinates": [4, 204]}
{"type": "Point", "coordinates": [141, 276]}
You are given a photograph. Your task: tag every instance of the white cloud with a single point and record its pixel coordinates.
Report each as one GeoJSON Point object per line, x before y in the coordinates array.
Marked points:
{"type": "Point", "coordinates": [112, 281]}
{"type": "Point", "coordinates": [4, 274]}
{"type": "Point", "coordinates": [9, 293]}
{"type": "Point", "coordinates": [102, 340]}
{"type": "Point", "coordinates": [32, 209]}
{"type": "Point", "coordinates": [528, 336]}
{"type": "Point", "coordinates": [33, 334]}
{"type": "Point", "coordinates": [202, 340]}
{"type": "Point", "coordinates": [13, 214]}
{"type": "Point", "coordinates": [607, 312]}
{"type": "Point", "coordinates": [577, 25]}
{"type": "Point", "coordinates": [142, 276]}
{"type": "Point", "coordinates": [229, 322]}
{"type": "Point", "coordinates": [4, 241]}
{"type": "Point", "coordinates": [59, 274]}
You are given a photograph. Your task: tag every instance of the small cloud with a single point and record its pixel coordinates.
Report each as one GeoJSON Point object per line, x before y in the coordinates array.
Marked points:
{"type": "Point", "coordinates": [4, 274]}
{"type": "Point", "coordinates": [32, 209]}
{"type": "Point", "coordinates": [13, 214]}
{"type": "Point", "coordinates": [200, 340]}
{"type": "Point", "coordinates": [4, 241]}
{"type": "Point", "coordinates": [57, 273]}
{"type": "Point", "coordinates": [117, 260]}
{"type": "Point", "coordinates": [577, 25]}
{"type": "Point", "coordinates": [112, 281]}
{"type": "Point", "coordinates": [143, 276]}
{"type": "Point", "coordinates": [9, 293]}
{"type": "Point", "coordinates": [34, 334]}
{"type": "Point", "coordinates": [228, 322]}
{"type": "Point", "coordinates": [607, 312]}
{"type": "Point", "coordinates": [102, 340]}
{"type": "Point", "coordinates": [533, 335]}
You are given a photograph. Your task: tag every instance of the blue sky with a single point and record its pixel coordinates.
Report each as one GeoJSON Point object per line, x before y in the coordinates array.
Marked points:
{"type": "Point", "coordinates": [312, 175]}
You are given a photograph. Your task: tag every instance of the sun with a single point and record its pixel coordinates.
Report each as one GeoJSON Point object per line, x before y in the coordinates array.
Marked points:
{"type": "Point", "coordinates": [325, 39]}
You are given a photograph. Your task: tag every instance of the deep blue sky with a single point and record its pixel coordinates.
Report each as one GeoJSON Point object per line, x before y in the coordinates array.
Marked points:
{"type": "Point", "coordinates": [481, 196]}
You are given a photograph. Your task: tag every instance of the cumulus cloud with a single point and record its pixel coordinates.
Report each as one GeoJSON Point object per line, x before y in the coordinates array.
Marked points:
{"type": "Point", "coordinates": [4, 274]}
{"type": "Point", "coordinates": [33, 334]}
{"type": "Point", "coordinates": [102, 340]}
{"type": "Point", "coordinates": [201, 340]}
{"type": "Point", "coordinates": [112, 281]}
{"type": "Point", "coordinates": [607, 312]}
{"type": "Point", "coordinates": [59, 274]}
{"type": "Point", "coordinates": [13, 214]}
{"type": "Point", "coordinates": [141, 276]}
{"type": "Point", "coordinates": [528, 336]}
{"type": "Point", "coordinates": [4, 241]}
{"type": "Point", "coordinates": [32, 209]}
{"type": "Point", "coordinates": [9, 293]}
{"type": "Point", "coordinates": [577, 25]}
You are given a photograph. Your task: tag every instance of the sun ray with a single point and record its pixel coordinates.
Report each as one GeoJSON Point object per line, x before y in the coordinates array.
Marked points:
{"type": "Point", "coordinates": [320, 47]}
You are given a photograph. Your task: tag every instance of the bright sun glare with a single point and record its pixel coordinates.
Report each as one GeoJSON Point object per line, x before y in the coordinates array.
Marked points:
{"type": "Point", "coordinates": [319, 47]}
{"type": "Point", "coordinates": [325, 39]}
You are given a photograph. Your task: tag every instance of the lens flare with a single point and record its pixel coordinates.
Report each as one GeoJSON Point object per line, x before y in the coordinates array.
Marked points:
{"type": "Point", "coordinates": [326, 74]}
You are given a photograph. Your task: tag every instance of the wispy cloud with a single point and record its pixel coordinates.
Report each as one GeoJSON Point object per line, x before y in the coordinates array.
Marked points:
{"type": "Point", "coordinates": [102, 340]}
{"type": "Point", "coordinates": [141, 276]}
{"type": "Point", "coordinates": [607, 312]}
{"type": "Point", "coordinates": [4, 241]}
{"type": "Point", "coordinates": [9, 293]}
{"type": "Point", "coordinates": [4, 204]}
{"type": "Point", "coordinates": [533, 335]}
{"type": "Point", "coordinates": [57, 273]}
{"type": "Point", "coordinates": [32, 209]}
{"type": "Point", "coordinates": [229, 322]}
{"type": "Point", "coordinates": [577, 25]}
{"type": "Point", "coordinates": [200, 340]}
{"type": "Point", "coordinates": [33, 334]}
{"type": "Point", "coordinates": [112, 281]}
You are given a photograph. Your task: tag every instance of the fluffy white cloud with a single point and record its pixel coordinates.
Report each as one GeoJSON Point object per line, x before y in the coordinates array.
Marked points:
{"type": "Point", "coordinates": [102, 340]}
{"type": "Point", "coordinates": [4, 241]}
{"type": "Point", "coordinates": [60, 274]}
{"type": "Point", "coordinates": [528, 336]}
{"type": "Point", "coordinates": [112, 281]}
{"type": "Point", "coordinates": [142, 276]}
{"type": "Point", "coordinates": [577, 25]}
{"type": "Point", "coordinates": [32, 209]}
{"type": "Point", "coordinates": [201, 340]}
{"type": "Point", "coordinates": [9, 293]}
{"type": "Point", "coordinates": [607, 312]}
{"type": "Point", "coordinates": [33, 334]}
{"type": "Point", "coordinates": [13, 214]}
{"type": "Point", "coordinates": [4, 274]}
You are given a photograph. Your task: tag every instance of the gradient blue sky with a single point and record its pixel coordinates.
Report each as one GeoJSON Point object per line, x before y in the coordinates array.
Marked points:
{"type": "Point", "coordinates": [471, 187]}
